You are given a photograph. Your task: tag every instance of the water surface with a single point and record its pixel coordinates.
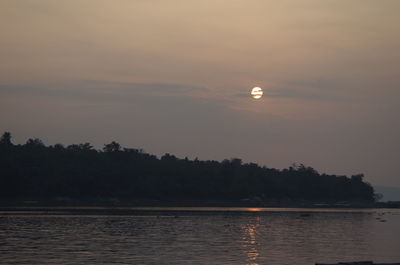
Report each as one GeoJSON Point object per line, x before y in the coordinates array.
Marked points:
{"type": "Point", "coordinates": [200, 236]}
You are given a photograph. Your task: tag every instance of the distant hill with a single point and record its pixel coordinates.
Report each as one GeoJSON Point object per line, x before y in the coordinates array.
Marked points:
{"type": "Point", "coordinates": [389, 193]}
{"type": "Point", "coordinates": [34, 170]}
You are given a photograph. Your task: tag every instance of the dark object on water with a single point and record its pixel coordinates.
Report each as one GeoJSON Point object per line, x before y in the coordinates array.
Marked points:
{"type": "Point", "coordinates": [359, 263]}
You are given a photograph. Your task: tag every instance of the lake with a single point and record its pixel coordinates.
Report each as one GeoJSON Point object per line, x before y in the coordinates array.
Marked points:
{"type": "Point", "coordinates": [199, 236]}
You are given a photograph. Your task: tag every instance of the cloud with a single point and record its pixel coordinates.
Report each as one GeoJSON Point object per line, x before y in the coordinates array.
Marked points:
{"type": "Point", "coordinates": [141, 87]}
{"type": "Point", "coordinates": [241, 95]}
{"type": "Point", "coordinates": [304, 94]}
{"type": "Point", "coordinates": [98, 90]}
{"type": "Point", "coordinates": [318, 90]}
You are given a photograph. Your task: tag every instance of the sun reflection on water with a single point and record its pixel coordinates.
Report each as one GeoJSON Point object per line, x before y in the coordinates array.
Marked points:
{"type": "Point", "coordinates": [254, 209]}
{"type": "Point", "coordinates": [250, 241]}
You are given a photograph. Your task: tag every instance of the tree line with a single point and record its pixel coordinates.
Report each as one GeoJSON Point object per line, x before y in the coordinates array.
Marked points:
{"type": "Point", "coordinates": [34, 170]}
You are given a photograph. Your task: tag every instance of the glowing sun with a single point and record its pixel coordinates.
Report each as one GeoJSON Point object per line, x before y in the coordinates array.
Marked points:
{"type": "Point", "coordinates": [256, 92]}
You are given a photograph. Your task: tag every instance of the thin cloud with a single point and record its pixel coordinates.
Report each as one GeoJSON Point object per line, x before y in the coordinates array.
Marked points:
{"type": "Point", "coordinates": [102, 90]}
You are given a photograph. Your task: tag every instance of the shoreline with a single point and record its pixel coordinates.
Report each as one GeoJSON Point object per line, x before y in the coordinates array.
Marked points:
{"type": "Point", "coordinates": [173, 211]}
{"type": "Point", "coordinates": [117, 204]}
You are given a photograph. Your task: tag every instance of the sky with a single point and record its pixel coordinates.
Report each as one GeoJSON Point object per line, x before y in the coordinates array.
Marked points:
{"type": "Point", "coordinates": [175, 77]}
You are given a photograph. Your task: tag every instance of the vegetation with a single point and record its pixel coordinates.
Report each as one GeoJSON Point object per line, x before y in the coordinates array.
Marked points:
{"type": "Point", "coordinates": [34, 170]}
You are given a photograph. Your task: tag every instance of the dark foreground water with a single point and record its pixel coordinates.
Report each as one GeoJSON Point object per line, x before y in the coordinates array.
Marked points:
{"type": "Point", "coordinates": [202, 236]}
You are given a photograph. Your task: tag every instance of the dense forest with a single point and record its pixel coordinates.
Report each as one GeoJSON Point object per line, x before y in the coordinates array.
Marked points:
{"type": "Point", "coordinates": [34, 170]}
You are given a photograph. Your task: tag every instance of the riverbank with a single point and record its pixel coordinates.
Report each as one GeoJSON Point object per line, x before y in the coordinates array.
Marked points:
{"type": "Point", "coordinates": [115, 202]}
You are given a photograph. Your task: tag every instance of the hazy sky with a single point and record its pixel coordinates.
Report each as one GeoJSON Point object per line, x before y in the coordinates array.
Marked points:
{"type": "Point", "coordinates": [175, 76]}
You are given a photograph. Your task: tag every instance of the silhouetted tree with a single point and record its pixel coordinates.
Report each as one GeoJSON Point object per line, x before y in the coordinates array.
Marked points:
{"type": "Point", "coordinates": [378, 196]}
{"type": "Point", "coordinates": [112, 147]}
{"type": "Point", "coordinates": [5, 139]}
{"type": "Point", "coordinates": [80, 147]}
{"type": "Point", "coordinates": [37, 170]}
{"type": "Point", "coordinates": [34, 142]}
{"type": "Point", "coordinates": [58, 146]}
{"type": "Point", "coordinates": [357, 178]}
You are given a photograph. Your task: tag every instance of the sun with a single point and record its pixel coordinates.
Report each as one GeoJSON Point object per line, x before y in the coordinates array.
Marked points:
{"type": "Point", "coordinates": [256, 92]}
